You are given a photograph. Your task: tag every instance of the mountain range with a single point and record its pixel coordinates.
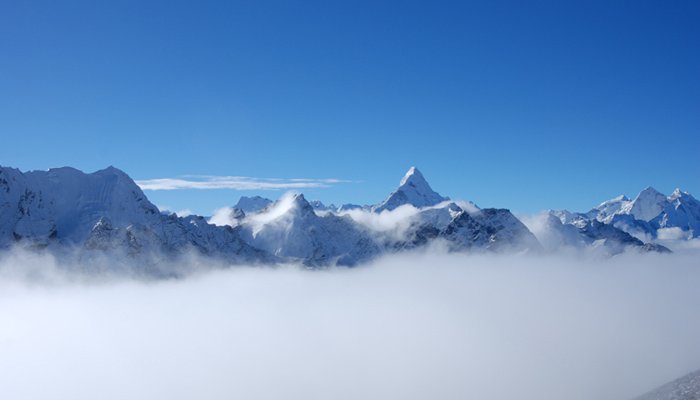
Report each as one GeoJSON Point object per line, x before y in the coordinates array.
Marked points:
{"type": "Point", "coordinates": [106, 214]}
{"type": "Point", "coordinates": [650, 219]}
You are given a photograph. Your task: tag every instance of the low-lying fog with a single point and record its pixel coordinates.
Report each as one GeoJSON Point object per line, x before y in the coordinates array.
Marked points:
{"type": "Point", "coordinates": [418, 326]}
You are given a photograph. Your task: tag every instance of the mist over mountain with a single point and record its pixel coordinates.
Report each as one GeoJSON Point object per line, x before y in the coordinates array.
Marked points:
{"type": "Point", "coordinates": [651, 220]}
{"type": "Point", "coordinates": [414, 325]}
{"type": "Point", "coordinates": [105, 214]}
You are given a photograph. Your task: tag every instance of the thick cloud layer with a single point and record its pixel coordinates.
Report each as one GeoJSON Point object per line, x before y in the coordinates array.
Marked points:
{"type": "Point", "coordinates": [416, 326]}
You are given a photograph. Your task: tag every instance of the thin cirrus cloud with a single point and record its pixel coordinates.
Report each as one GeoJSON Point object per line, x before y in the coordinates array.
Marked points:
{"type": "Point", "coordinates": [235, 183]}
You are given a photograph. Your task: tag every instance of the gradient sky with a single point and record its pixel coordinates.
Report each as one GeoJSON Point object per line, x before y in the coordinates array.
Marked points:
{"type": "Point", "coordinates": [525, 105]}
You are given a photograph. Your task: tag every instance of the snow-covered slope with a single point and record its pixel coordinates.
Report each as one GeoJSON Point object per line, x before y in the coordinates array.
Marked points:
{"type": "Point", "coordinates": [647, 205]}
{"type": "Point", "coordinates": [681, 210]}
{"type": "Point", "coordinates": [491, 229]}
{"type": "Point", "coordinates": [684, 388]}
{"type": "Point", "coordinates": [106, 214]}
{"type": "Point", "coordinates": [413, 190]}
{"type": "Point", "coordinates": [560, 230]}
{"type": "Point", "coordinates": [651, 210]}
{"type": "Point", "coordinates": [647, 216]}
{"type": "Point", "coordinates": [65, 209]}
{"type": "Point", "coordinates": [64, 203]}
{"type": "Point", "coordinates": [252, 204]}
{"type": "Point", "coordinates": [291, 229]}
{"type": "Point", "coordinates": [319, 206]}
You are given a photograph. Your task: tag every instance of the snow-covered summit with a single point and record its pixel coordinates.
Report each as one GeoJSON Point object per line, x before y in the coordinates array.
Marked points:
{"type": "Point", "coordinates": [291, 229]}
{"type": "Point", "coordinates": [67, 210]}
{"type": "Point", "coordinates": [650, 217]}
{"type": "Point", "coordinates": [106, 214]}
{"type": "Point", "coordinates": [413, 190]}
{"type": "Point", "coordinates": [65, 203]}
{"type": "Point", "coordinates": [647, 205]}
{"type": "Point", "coordinates": [252, 204]}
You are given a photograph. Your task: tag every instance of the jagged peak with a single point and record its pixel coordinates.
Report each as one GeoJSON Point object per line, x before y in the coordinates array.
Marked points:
{"type": "Point", "coordinates": [299, 198]}
{"type": "Point", "coordinates": [291, 202]}
{"type": "Point", "coordinates": [619, 199]}
{"type": "Point", "coordinates": [300, 203]}
{"type": "Point", "coordinates": [252, 204]}
{"type": "Point", "coordinates": [102, 223]}
{"type": "Point", "coordinates": [413, 190]}
{"type": "Point", "coordinates": [678, 194]}
{"type": "Point", "coordinates": [413, 174]}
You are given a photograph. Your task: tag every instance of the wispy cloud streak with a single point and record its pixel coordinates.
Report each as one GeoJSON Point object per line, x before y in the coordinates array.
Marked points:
{"type": "Point", "coordinates": [234, 182]}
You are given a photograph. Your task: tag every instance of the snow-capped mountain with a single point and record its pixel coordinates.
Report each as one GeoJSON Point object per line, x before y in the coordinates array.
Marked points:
{"type": "Point", "coordinates": [64, 209]}
{"type": "Point", "coordinates": [490, 228]}
{"type": "Point", "coordinates": [252, 204]}
{"type": "Point", "coordinates": [563, 229]}
{"type": "Point", "coordinates": [106, 214]}
{"type": "Point", "coordinates": [65, 204]}
{"type": "Point", "coordinates": [681, 211]}
{"type": "Point", "coordinates": [648, 217]}
{"type": "Point", "coordinates": [413, 190]}
{"type": "Point", "coordinates": [295, 229]}
{"type": "Point", "coordinates": [650, 211]}
{"type": "Point", "coordinates": [292, 230]}
{"type": "Point", "coordinates": [465, 227]}
{"type": "Point", "coordinates": [620, 223]}
{"type": "Point", "coordinates": [319, 206]}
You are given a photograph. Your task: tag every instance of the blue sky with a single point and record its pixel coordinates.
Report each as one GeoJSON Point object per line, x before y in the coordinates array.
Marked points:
{"type": "Point", "coordinates": [526, 106]}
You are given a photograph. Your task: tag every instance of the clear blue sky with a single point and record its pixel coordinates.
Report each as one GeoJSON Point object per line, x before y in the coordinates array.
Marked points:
{"type": "Point", "coordinates": [526, 105]}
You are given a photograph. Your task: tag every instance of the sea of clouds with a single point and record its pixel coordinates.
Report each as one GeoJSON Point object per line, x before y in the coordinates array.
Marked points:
{"type": "Point", "coordinates": [423, 325]}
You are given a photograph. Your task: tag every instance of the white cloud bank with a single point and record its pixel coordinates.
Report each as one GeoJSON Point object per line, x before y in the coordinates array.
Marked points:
{"type": "Point", "coordinates": [234, 182]}
{"type": "Point", "coordinates": [418, 326]}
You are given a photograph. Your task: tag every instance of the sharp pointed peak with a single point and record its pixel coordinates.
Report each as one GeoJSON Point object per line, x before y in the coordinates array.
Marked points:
{"type": "Point", "coordinates": [650, 190]}
{"type": "Point", "coordinates": [678, 193]}
{"type": "Point", "coordinates": [300, 205]}
{"type": "Point", "coordinates": [617, 199]}
{"type": "Point", "coordinates": [414, 190]}
{"type": "Point", "coordinates": [412, 174]}
{"type": "Point", "coordinates": [299, 198]}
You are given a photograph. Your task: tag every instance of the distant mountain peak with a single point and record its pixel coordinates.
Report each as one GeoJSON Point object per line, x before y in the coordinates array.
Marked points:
{"type": "Point", "coordinates": [648, 204]}
{"type": "Point", "coordinates": [299, 200]}
{"type": "Point", "coordinates": [413, 174]}
{"type": "Point", "coordinates": [252, 204]}
{"type": "Point", "coordinates": [413, 190]}
{"type": "Point", "coordinates": [621, 197]}
{"type": "Point", "coordinates": [679, 194]}
{"type": "Point", "coordinates": [649, 191]}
